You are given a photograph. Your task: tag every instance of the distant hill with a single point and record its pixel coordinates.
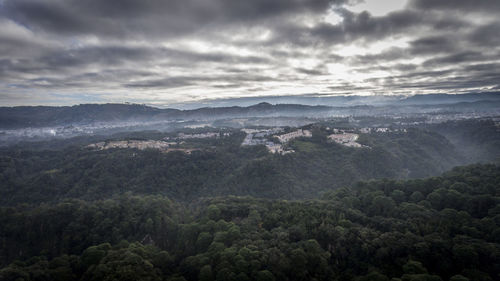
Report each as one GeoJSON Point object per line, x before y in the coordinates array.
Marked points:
{"type": "Point", "coordinates": [47, 116]}
{"type": "Point", "coordinates": [434, 99]}
{"type": "Point", "coordinates": [43, 116]}
{"type": "Point", "coordinates": [40, 116]}
{"type": "Point", "coordinates": [344, 100]}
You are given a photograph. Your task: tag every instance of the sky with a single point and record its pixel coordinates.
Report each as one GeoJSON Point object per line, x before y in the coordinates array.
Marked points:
{"type": "Point", "coordinates": [160, 52]}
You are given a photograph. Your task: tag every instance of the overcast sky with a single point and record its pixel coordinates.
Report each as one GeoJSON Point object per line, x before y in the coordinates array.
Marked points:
{"type": "Point", "coordinates": [162, 52]}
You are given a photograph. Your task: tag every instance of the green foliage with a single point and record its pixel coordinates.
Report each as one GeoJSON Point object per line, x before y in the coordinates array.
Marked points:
{"type": "Point", "coordinates": [459, 277]}
{"type": "Point", "coordinates": [414, 267]}
{"type": "Point", "coordinates": [374, 276]}
{"type": "Point", "coordinates": [439, 228]}
{"type": "Point", "coordinates": [206, 273]}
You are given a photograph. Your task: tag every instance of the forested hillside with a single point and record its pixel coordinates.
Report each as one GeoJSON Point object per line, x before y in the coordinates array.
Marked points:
{"type": "Point", "coordinates": [220, 167]}
{"type": "Point", "coordinates": [440, 228]}
{"type": "Point", "coordinates": [478, 140]}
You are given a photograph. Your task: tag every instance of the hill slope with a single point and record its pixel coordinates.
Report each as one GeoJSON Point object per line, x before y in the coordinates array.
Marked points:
{"type": "Point", "coordinates": [220, 167]}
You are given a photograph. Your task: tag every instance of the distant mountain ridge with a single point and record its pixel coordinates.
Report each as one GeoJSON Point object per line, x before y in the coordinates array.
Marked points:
{"type": "Point", "coordinates": [40, 116]}
{"type": "Point", "coordinates": [343, 100]}
{"type": "Point", "coordinates": [46, 116]}
{"type": "Point", "coordinates": [451, 98]}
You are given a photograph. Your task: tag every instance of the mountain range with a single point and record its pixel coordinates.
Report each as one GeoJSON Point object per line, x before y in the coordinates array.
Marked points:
{"type": "Point", "coordinates": [45, 116]}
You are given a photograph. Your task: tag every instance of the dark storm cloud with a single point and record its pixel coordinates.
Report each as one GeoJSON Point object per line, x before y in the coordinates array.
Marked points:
{"type": "Point", "coordinates": [137, 18]}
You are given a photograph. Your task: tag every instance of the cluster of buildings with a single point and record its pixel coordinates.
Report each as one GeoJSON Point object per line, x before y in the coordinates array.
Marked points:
{"type": "Point", "coordinates": [163, 146]}
{"type": "Point", "coordinates": [380, 130]}
{"type": "Point", "coordinates": [347, 139]}
{"type": "Point", "coordinates": [138, 144]}
{"type": "Point", "coordinates": [207, 135]}
{"type": "Point", "coordinates": [256, 137]}
{"type": "Point", "coordinates": [295, 134]}
{"type": "Point", "coordinates": [277, 148]}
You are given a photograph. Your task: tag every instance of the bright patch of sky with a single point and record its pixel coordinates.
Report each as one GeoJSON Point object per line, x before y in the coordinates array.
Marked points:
{"type": "Point", "coordinates": [379, 7]}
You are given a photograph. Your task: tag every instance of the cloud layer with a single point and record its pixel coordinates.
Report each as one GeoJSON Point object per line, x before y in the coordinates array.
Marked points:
{"type": "Point", "coordinates": [165, 51]}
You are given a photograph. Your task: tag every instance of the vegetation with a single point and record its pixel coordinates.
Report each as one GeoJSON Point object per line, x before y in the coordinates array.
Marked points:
{"type": "Point", "coordinates": [478, 139]}
{"type": "Point", "coordinates": [440, 228]}
{"type": "Point", "coordinates": [221, 212]}
{"type": "Point", "coordinates": [220, 167]}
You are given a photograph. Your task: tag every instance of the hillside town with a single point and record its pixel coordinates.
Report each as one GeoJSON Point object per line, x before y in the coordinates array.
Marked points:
{"type": "Point", "coordinates": [138, 144]}
{"type": "Point", "coordinates": [274, 139]}
{"type": "Point", "coordinates": [295, 134]}
{"type": "Point", "coordinates": [207, 135]}
{"type": "Point", "coordinates": [141, 145]}
{"type": "Point", "coordinates": [257, 137]}
{"type": "Point", "coordinates": [368, 130]}
{"type": "Point", "coordinates": [347, 139]}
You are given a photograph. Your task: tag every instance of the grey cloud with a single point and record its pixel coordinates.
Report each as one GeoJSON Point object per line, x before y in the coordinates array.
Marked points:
{"type": "Point", "coordinates": [396, 68]}
{"type": "Point", "coordinates": [347, 87]}
{"type": "Point", "coordinates": [433, 44]}
{"type": "Point", "coordinates": [114, 56]}
{"type": "Point", "coordinates": [486, 35]}
{"type": "Point", "coordinates": [17, 41]}
{"type": "Point", "coordinates": [181, 81]}
{"type": "Point", "coordinates": [391, 54]}
{"type": "Point", "coordinates": [171, 82]}
{"type": "Point", "coordinates": [111, 55]}
{"type": "Point", "coordinates": [226, 86]}
{"type": "Point", "coordinates": [462, 57]}
{"type": "Point", "coordinates": [459, 78]}
{"type": "Point", "coordinates": [485, 67]}
{"type": "Point", "coordinates": [405, 67]}
{"type": "Point", "coordinates": [135, 18]}
{"type": "Point", "coordinates": [454, 50]}
{"type": "Point", "coordinates": [313, 72]}
{"type": "Point", "coordinates": [365, 28]}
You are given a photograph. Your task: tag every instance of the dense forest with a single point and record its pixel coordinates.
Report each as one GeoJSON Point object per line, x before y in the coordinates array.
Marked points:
{"type": "Point", "coordinates": [440, 228]}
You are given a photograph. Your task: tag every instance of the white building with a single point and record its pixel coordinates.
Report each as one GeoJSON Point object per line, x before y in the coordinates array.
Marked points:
{"type": "Point", "coordinates": [347, 139]}
{"type": "Point", "coordinates": [296, 134]}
